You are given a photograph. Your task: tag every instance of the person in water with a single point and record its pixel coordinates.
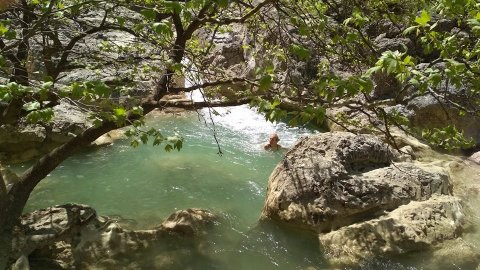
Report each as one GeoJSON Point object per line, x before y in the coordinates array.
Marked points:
{"type": "Point", "coordinates": [273, 143]}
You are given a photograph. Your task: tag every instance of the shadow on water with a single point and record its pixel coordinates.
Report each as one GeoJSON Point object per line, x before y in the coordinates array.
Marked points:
{"type": "Point", "coordinates": [271, 246]}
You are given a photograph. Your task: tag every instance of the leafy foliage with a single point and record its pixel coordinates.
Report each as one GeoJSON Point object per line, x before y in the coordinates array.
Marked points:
{"type": "Point", "coordinates": [312, 54]}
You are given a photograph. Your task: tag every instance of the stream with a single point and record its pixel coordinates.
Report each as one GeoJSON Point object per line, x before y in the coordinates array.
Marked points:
{"type": "Point", "coordinates": [142, 186]}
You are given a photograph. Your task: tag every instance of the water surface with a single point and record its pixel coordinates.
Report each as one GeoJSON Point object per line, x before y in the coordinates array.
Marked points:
{"type": "Point", "coordinates": [144, 185]}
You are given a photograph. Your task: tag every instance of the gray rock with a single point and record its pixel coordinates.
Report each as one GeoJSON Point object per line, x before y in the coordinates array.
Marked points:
{"type": "Point", "coordinates": [335, 179]}
{"type": "Point", "coordinates": [416, 226]}
{"type": "Point", "coordinates": [22, 134]}
{"type": "Point", "coordinates": [383, 26]}
{"type": "Point", "coordinates": [428, 112]}
{"type": "Point", "coordinates": [27, 141]}
{"type": "Point", "coordinates": [188, 222]}
{"type": "Point", "coordinates": [393, 44]}
{"type": "Point", "coordinates": [68, 122]}
{"type": "Point", "coordinates": [386, 86]}
{"type": "Point", "coordinates": [73, 236]}
{"type": "Point", "coordinates": [21, 264]}
{"type": "Point", "coordinates": [230, 56]}
{"type": "Point", "coordinates": [50, 225]}
{"type": "Point", "coordinates": [475, 157]}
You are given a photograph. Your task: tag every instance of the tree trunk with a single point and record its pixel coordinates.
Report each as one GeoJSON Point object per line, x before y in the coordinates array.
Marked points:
{"type": "Point", "coordinates": [5, 248]}
{"type": "Point", "coordinates": [13, 203]}
{"type": "Point", "coordinates": [8, 220]}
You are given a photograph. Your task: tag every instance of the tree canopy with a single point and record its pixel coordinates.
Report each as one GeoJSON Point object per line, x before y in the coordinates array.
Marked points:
{"type": "Point", "coordinates": [309, 58]}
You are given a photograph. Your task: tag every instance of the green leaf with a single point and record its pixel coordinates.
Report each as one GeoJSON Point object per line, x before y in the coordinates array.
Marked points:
{"type": "Point", "coordinates": [120, 112]}
{"type": "Point", "coordinates": [265, 82]}
{"type": "Point", "coordinates": [163, 29]}
{"type": "Point", "coordinates": [168, 147]}
{"type": "Point", "coordinates": [149, 14]}
{"type": "Point", "coordinates": [173, 7]}
{"type": "Point", "coordinates": [423, 19]}
{"type": "Point", "coordinates": [135, 143]}
{"type": "Point", "coordinates": [300, 51]}
{"type": "Point", "coordinates": [121, 21]}
{"type": "Point", "coordinates": [222, 3]}
{"type": "Point", "coordinates": [43, 115]}
{"type": "Point", "coordinates": [31, 106]}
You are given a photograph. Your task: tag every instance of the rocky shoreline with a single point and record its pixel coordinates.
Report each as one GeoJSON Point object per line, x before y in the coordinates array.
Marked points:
{"type": "Point", "coordinates": [73, 236]}
{"type": "Point", "coordinates": [361, 199]}
{"type": "Point", "coordinates": [366, 200]}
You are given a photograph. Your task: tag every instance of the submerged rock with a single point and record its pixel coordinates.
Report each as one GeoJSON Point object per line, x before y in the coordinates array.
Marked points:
{"type": "Point", "coordinates": [454, 254]}
{"type": "Point", "coordinates": [73, 236]}
{"type": "Point", "coordinates": [188, 222]}
{"type": "Point", "coordinates": [415, 226]}
{"type": "Point", "coordinates": [109, 138]}
{"type": "Point", "coordinates": [335, 179]}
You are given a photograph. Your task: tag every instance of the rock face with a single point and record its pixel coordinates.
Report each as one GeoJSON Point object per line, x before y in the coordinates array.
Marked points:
{"type": "Point", "coordinates": [345, 188]}
{"type": "Point", "coordinates": [229, 56]}
{"type": "Point", "coordinates": [24, 141]}
{"type": "Point", "coordinates": [415, 226]}
{"type": "Point", "coordinates": [332, 180]}
{"type": "Point", "coordinates": [74, 237]}
{"type": "Point", "coordinates": [427, 112]}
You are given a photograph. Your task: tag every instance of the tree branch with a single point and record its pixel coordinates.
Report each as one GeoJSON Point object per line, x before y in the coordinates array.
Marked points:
{"type": "Point", "coordinates": [212, 84]}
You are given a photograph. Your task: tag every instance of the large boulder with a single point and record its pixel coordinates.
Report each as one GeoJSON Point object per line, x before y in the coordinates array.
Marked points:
{"type": "Point", "coordinates": [48, 226]}
{"type": "Point", "coordinates": [73, 236]}
{"type": "Point", "coordinates": [335, 179]}
{"type": "Point", "coordinates": [415, 226]}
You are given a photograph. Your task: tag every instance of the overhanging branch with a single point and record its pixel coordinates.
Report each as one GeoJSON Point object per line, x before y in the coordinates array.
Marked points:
{"type": "Point", "coordinates": [192, 105]}
{"type": "Point", "coordinates": [213, 84]}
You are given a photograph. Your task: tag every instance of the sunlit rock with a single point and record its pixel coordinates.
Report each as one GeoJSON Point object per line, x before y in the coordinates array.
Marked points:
{"type": "Point", "coordinates": [335, 179]}
{"type": "Point", "coordinates": [188, 222]}
{"type": "Point", "coordinates": [73, 236]}
{"type": "Point", "coordinates": [27, 141]}
{"type": "Point", "coordinates": [412, 227]}
{"type": "Point", "coordinates": [475, 158]}
{"type": "Point", "coordinates": [110, 137]}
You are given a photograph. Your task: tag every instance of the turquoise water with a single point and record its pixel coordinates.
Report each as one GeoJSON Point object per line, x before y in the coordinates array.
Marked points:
{"type": "Point", "coordinates": [142, 186]}
{"type": "Point", "coordinates": [147, 184]}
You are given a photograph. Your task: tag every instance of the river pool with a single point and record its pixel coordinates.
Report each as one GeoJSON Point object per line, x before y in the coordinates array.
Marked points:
{"type": "Point", "coordinates": [144, 185]}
